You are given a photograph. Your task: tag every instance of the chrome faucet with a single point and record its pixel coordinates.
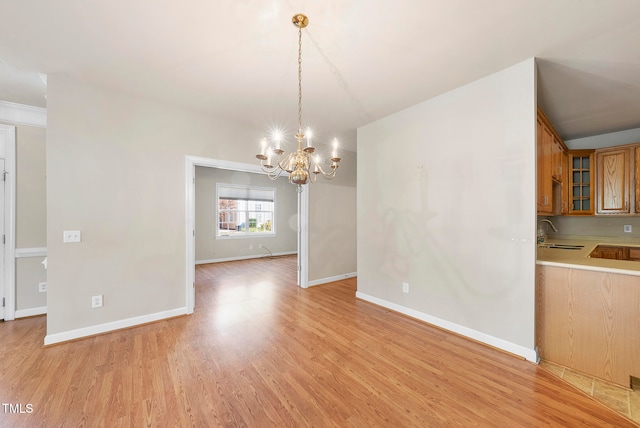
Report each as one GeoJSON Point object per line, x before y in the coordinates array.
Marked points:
{"type": "Point", "coordinates": [550, 224]}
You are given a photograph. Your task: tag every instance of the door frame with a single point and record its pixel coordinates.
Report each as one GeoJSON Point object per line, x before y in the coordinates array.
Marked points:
{"type": "Point", "coordinates": [9, 277]}
{"type": "Point", "coordinates": [12, 114]}
{"type": "Point", "coordinates": [190, 230]}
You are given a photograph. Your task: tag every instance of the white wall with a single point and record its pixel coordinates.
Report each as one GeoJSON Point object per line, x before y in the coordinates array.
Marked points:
{"type": "Point", "coordinates": [332, 232]}
{"type": "Point", "coordinates": [116, 172]}
{"type": "Point", "coordinates": [446, 203]}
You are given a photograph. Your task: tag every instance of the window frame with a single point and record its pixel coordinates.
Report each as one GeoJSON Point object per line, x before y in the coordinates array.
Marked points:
{"type": "Point", "coordinates": [247, 233]}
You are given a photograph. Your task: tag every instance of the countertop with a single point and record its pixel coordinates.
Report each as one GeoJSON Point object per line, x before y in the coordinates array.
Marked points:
{"type": "Point", "coordinates": [579, 259]}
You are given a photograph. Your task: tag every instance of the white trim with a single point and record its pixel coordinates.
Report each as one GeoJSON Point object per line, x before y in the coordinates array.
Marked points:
{"type": "Point", "coordinates": [31, 312]}
{"type": "Point", "coordinates": [303, 237]}
{"type": "Point", "coordinates": [222, 164]}
{"type": "Point", "coordinates": [332, 278]}
{"type": "Point", "coordinates": [31, 252]}
{"type": "Point", "coordinates": [20, 114]}
{"type": "Point", "coordinates": [190, 232]}
{"type": "Point", "coordinates": [591, 268]}
{"type": "Point", "coordinates": [93, 330]}
{"type": "Point", "coordinates": [233, 259]}
{"type": "Point", "coordinates": [526, 353]}
{"type": "Point", "coordinates": [9, 222]}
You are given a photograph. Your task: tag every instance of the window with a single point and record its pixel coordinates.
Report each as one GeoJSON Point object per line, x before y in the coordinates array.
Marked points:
{"type": "Point", "coordinates": [245, 211]}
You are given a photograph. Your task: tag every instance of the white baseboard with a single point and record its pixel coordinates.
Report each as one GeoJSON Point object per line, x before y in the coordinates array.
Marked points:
{"type": "Point", "coordinates": [332, 279]}
{"type": "Point", "coordinates": [512, 348]}
{"type": "Point", "coordinates": [93, 330]}
{"type": "Point", "coordinates": [31, 312]}
{"type": "Point", "coordinates": [233, 259]}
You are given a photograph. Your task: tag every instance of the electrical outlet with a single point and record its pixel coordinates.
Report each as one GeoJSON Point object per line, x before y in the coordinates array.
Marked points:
{"type": "Point", "coordinates": [405, 287]}
{"type": "Point", "coordinates": [42, 287]}
{"type": "Point", "coordinates": [96, 301]}
{"type": "Point", "coordinates": [71, 236]}
{"type": "Point", "coordinates": [628, 228]}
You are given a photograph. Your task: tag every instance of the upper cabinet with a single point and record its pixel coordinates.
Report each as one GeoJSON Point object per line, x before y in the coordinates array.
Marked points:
{"type": "Point", "coordinates": [581, 186]}
{"type": "Point", "coordinates": [558, 151]}
{"type": "Point", "coordinates": [617, 180]}
{"type": "Point", "coordinates": [636, 181]}
{"type": "Point", "coordinates": [552, 169]}
{"type": "Point", "coordinates": [614, 180]}
{"type": "Point", "coordinates": [544, 180]}
{"type": "Point", "coordinates": [585, 182]}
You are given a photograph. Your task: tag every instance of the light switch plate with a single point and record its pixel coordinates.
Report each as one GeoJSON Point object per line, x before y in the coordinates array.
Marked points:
{"type": "Point", "coordinates": [71, 236]}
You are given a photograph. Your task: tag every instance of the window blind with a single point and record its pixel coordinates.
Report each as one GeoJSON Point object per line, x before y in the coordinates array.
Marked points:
{"type": "Point", "coordinates": [245, 193]}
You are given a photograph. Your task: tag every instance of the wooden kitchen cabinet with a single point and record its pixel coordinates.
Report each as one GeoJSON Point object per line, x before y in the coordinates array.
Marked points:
{"type": "Point", "coordinates": [589, 321]}
{"type": "Point", "coordinates": [615, 180]}
{"type": "Point", "coordinates": [551, 169]}
{"type": "Point", "coordinates": [544, 177]}
{"type": "Point", "coordinates": [557, 152]}
{"type": "Point", "coordinates": [581, 187]}
{"type": "Point", "coordinates": [610, 252]}
{"type": "Point", "coordinates": [564, 210]}
{"type": "Point", "coordinates": [616, 252]}
{"type": "Point", "coordinates": [636, 173]}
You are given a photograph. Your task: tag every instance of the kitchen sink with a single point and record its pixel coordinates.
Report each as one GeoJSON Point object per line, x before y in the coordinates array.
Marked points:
{"type": "Point", "coordinates": [563, 246]}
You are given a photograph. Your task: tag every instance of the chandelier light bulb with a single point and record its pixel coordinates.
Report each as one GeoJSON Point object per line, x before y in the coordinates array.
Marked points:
{"type": "Point", "coordinates": [263, 146]}
{"type": "Point", "coordinates": [308, 134]}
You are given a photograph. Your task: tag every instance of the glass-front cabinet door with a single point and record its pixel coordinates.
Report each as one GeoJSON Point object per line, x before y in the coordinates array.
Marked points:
{"type": "Point", "coordinates": [581, 187]}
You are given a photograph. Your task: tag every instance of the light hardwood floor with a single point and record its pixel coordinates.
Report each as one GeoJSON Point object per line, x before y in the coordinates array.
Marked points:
{"type": "Point", "coordinates": [260, 352]}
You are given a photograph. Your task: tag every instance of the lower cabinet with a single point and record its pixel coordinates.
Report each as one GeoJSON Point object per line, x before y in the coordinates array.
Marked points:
{"type": "Point", "coordinates": [609, 252]}
{"type": "Point", "coordinates": [589, 321]}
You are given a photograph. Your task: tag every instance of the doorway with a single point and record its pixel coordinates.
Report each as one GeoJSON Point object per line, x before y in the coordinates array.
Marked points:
{"type": "Point", "coordinates": [7, 221]}
{"type": "Point", "coordinates": [190, 170]}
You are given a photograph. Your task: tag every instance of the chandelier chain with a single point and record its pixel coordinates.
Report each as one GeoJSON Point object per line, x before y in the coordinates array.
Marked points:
{"type": "Point", "coordinates": [300, 80]}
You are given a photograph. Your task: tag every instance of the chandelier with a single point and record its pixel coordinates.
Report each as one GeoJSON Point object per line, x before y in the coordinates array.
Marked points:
{"type": "Point", "coordinates": [301, 166]}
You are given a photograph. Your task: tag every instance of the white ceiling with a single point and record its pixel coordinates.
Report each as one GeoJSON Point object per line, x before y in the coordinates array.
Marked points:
{"type": "Point", "coordinates": [362, 59]}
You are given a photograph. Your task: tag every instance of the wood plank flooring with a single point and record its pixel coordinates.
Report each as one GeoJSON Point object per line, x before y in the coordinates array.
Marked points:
{"type": "Point", "coordinates": [260, 352]}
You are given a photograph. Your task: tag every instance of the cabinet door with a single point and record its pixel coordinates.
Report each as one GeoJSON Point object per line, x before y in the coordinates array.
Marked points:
{"type": "Point", "coordinates": [581, 188]}
{"type": "Point", "coordinates": [545, 184]}
{"type": "Point", "coordinates": [557, 152]}
{"type": "Point", "coordinates": [564, 210]}
{"type": "Point", "coordinates": [613, 181]}
{"type": "Point", "coordinates": [613, 253]}
{"type": "Point", "coordinates": [636, 170]}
